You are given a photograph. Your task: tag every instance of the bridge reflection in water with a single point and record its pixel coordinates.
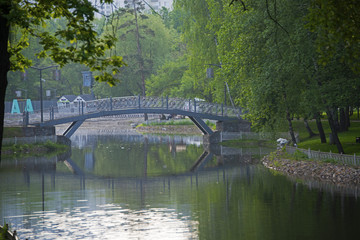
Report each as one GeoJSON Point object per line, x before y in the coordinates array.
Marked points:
{"type": "Point", "coordinates": [124, 146]}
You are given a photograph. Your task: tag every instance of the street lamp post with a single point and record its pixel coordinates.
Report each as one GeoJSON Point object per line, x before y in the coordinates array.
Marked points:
{"type": "Point", "coordinates": [41, 95]}
{"type": "Point", "coordinates": [210, 74]}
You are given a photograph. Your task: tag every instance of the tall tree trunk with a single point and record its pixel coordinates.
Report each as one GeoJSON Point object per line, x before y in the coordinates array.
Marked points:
{"type": "Point", "coordinates": [343, 121]}
{"type": "Point", "coordinates": [311, 133]}
{"type": "Point", "coordinates": [291, 130]}
{"type": "Point", "coordinates": [140, 59]}
{"type": "Point", "coordinates": [320, 128]}
{"type": "Point", "coordinates": [347, 116]}
{"type": "Point", "coordinates": [334, 130]}
{"type": "Point", "coordinates": [4, 61]}
{"type": "Point", "coordinates": [335, 116]}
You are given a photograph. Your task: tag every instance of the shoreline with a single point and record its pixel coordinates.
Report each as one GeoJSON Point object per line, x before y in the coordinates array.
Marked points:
{"type": "Point", "coordinates": [170, 129]}
{"type": "Point", "coordinates": [341, 175]}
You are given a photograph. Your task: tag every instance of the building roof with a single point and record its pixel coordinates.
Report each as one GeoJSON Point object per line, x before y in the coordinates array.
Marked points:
{"type": "Point", "coordinates": [87, 97]}
{"type": "Point", "coordinates": [70, 98]}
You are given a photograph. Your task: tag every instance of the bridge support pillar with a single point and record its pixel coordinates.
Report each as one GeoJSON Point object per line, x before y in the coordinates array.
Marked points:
{"type": "Point", "coordinates": [213, 138]}
{"type": "Point", "coordinates": [72, 128]}
{"type": "Point", "coordinates": [233, 126]}
{"type": "Point", "coordinates": [225, 126]}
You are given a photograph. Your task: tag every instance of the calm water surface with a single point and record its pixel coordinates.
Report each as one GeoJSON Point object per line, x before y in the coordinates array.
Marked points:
{"type": "Point", "coordinates": [135, 187]}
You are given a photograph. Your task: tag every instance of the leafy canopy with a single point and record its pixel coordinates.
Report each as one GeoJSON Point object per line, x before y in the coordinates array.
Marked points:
{"type": "Point", "coordinates": [78, 42]}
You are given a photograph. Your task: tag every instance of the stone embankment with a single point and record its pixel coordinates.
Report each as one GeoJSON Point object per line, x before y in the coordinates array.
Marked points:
{"type": "Point", "coordinates": [321, 171]}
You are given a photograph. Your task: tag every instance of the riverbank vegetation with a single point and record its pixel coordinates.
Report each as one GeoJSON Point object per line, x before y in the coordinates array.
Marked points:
{"type": "Point", "coordinates": [18, 150]}
{"type": "Point", "coordinates": [32, 150]}
{"type": "Point", "coordinates": [347, 138]}
{"type": "Point", "coordinates": [300, 166]}
{"type": "Point", "coordinates": [312, 140]}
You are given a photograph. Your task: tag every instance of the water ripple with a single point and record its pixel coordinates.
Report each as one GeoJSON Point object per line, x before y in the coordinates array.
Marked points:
{"type": "Point", "coordinates": [108, 222]}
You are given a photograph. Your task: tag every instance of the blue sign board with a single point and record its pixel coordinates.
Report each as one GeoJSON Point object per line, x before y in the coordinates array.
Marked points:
{"type": "Point", "coordinates": [87, 78]}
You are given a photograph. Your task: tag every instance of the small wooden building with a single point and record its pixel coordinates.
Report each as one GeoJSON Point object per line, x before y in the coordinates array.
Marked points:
{"type": "Point", "coordinates": [71, 103]}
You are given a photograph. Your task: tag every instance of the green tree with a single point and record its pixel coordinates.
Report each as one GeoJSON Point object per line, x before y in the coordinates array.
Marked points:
{"type": "Point", "coordinates": [269, 60]}
{"type": "Point", "coordinates": [156, 43]}
{"type": "Point", "coordinates": [167, 80]}
{"type": "Point", "coordinates": [29, 17]}
{"type": "Point", "coordinates": [200, 40]}
{"type": "Point", "coordinates": [337, 25]}
{"type": "Point", "coordinates": [70, 81]}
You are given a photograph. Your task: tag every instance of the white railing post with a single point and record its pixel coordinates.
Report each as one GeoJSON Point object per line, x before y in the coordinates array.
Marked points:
{"type": "Point", "coordinates": [354, 159]}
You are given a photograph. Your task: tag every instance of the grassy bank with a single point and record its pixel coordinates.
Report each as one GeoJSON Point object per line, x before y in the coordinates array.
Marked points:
{"type": "Point", "coordinates": [10, 132]}
{"type": "Point", "coordinates": [347, 138]}
{"type": "Point", "coordinates": [36, 149]}
{"type": "Point", "coordinates": [25, 150]}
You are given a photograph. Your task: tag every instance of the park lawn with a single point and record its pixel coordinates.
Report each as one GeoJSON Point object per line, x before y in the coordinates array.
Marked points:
{"type": "Point", "coordinates": [347, 139]}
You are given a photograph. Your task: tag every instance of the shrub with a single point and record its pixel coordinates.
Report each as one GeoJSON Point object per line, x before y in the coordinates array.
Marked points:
{"type": "Point", "coordinates": [298, 155]}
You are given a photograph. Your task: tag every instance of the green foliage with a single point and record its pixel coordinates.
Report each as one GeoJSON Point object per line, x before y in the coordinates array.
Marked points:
{"type": "Point", "coordinates": [76, 41]}
{"type": "Point", "coordinates": [272, 156]}
{"type": "Point", "coordinates": [3, 232]}
{"type": "Point", "coordinates": [298, 155]}
{"type": "Point", "coordinates": [336, 25]}
{"type": "Point", "coordinates": [10, 132]}
{"type": "Point", "coordinates": [276, 164]}
{"type": "Point", "coordinates": [167, 80]}
{"type": "Point", "coordinates": [37, 149]}
{"type": "Point", "coordinates": [145, 42]}
{"type": "Point", "coordinates": [200, 40]}
{"type": "Point", "coordinates": [269, 59]}
{"type": "Point", "coordinates": [332, 161]}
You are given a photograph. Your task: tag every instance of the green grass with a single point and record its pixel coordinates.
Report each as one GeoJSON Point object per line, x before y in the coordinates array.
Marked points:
{"type": "Point", "coordinates": [32, 150]}
{"type": "Point", "coordinates": [300, 156]}
{"type": "Point", "coordinates": [10, 132]}
{"type": "Point", "coordinates": [347, 138]}
{"type": "Point", "coordinates": [3, 232]}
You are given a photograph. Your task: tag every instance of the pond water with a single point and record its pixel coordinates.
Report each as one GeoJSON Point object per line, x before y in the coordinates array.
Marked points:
{"type": "Point", "coordinates": [161, 187]}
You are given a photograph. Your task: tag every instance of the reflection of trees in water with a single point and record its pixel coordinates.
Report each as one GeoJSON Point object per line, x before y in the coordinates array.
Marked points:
{"type": "Point", "coordinates": [239, 199]}
{"type": "Point", "coordinates": [81, 141]}
{"type": "Point", "coordinates": [116, 155]}
{"type": "Point", "coordinates": [121, 155]}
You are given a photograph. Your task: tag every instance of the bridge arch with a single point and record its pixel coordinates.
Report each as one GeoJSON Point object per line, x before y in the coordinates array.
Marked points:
{"type": "Point", "coordinates": [195, 110]}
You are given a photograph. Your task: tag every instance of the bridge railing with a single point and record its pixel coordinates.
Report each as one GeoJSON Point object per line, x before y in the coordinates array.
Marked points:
{"type": "Point", "coordinates": [137, 102]}
{"type": "Point", "coordinates": [190, 105]}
